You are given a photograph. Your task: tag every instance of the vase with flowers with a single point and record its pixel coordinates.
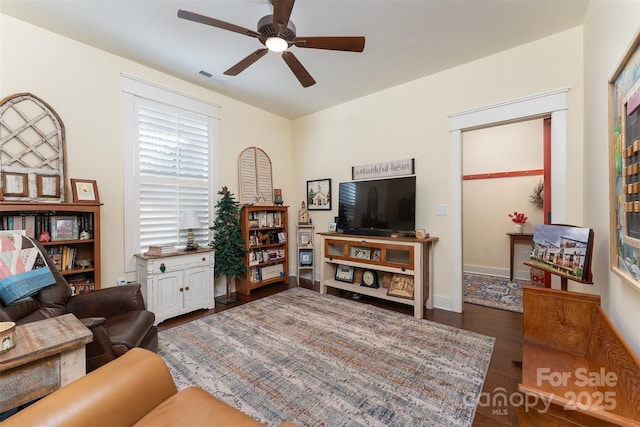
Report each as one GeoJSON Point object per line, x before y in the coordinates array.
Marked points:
{"type": "Point", "coordinates": [518, 219]}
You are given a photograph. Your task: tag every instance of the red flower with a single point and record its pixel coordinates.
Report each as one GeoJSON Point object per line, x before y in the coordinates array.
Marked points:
{"type": "Point", "coordinates": [518, 217]}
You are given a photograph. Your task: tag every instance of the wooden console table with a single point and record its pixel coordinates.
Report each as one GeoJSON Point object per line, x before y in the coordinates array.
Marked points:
{"type": "Point", "coordinates": [513, 238]}
{"type": "Point", "coordinates": [48, 355]}
{"type": "Point", "coordinates": [407, 257]}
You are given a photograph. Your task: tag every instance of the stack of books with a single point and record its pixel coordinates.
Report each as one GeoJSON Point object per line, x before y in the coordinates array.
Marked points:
{"type": "Point", "coordinates": [161, 250]}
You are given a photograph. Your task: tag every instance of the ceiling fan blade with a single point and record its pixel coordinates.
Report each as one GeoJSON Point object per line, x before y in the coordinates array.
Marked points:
{"type": "Point", "coordinates": [191, 16]}
{"type": "Point", "coordinates": [281, 13]}
{"type": "Point", "coordinates": [301, 73]}
{"type": "Point", "coordinates": [244, 64]}
{"type": "Point", "coordinates": [350, 44]}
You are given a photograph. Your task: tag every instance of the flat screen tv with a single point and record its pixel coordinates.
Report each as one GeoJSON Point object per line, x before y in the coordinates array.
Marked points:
{"type": "Point", "coordinates": [378, 207]}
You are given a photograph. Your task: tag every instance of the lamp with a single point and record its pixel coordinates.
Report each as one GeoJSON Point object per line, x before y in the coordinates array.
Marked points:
{"type": "Point", "coordinates": [188, 221]}
{"type": "Point", "coordinates": [276, 44]}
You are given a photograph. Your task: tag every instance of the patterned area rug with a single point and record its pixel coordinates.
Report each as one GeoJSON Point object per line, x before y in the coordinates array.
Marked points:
{"type": "Point", "coordinates": [321, 360]}
{"type": "Point", "coordinates": [494, 292]}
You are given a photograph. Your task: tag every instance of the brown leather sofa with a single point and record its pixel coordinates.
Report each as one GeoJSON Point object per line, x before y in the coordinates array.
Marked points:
{"type": "Point", "coordinates": [116, 316]}
{"type": "Point", "coordinates": [135, 390]}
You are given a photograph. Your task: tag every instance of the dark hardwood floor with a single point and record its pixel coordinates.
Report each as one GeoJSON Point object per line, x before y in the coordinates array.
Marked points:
{"type": "Point", "coordinates": [504, 372]}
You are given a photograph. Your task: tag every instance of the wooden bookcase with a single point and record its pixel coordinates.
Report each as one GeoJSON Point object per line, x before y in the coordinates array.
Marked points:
{"type": "Point", "coordinates": [408, 258]}
{"type": "Point", "coordinates": [35, 217]}
{"type": "Point", "coordinates": [264, 230]}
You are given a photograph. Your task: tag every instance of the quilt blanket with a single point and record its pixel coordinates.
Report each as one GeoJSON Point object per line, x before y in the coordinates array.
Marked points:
{"type": "Point", "coordinates": [23, 270]}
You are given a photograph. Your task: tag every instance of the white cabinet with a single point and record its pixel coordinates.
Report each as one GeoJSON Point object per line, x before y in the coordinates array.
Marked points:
{"type": "Point", "coordinates": [177, 284]}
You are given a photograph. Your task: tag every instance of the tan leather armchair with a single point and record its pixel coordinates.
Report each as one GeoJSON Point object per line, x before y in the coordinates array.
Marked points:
{"type": "Point", "coordinates": [116, 316]}
{"type": "Point", "coordinates": [133, 390]}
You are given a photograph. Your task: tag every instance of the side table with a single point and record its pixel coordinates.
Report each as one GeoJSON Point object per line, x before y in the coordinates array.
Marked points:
{"type": "Point", "coordinates": [48, 355]}
{"type": "Point", "coordinates": [513, 238]}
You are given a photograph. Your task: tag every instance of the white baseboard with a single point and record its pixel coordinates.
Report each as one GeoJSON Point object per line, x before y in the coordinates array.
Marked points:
{"type": "Point", "coordinates": [499, 272]}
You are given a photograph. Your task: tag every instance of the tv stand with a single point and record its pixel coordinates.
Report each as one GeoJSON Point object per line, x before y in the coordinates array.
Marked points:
{"type": "Point", "coordinates": [407, 257]}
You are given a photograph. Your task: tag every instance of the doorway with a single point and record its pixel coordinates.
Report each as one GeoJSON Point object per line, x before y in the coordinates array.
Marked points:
{"type": "Point", "coordinates": [502, 166]}
{"type": "Point", "coordinates": [553, 104]}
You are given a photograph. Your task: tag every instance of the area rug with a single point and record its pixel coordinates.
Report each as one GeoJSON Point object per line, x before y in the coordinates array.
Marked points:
{"type": "Point", "coordinates": [322, 360]}
{"type": "Point", "coordinates": [494, 291]}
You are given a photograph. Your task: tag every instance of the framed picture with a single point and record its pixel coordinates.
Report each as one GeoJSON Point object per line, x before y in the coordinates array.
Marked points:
{"type": "Point", "coordinates": [563, 250]}
{"type": "Point", "coordinates": [344, 273]}
{"type": "Point", "coordinates": [48, 185]}
{"type": "Point", "coordinates": [64, 228]}
{"type": "Point", "coordinates": [84, 191]}
{"type": "Point", "coordinates": [319, 195]}
{"type": "Point", "coordinates": [15, 184]}
{"type": "Point", "coordinates": [360, 253]}
{"type": "Point", "coordinates": [306, 258]}
{"type": "Point", "coordinates": [277, 196]}
{"type": "Point", "coordinates": [624, 167]}
{"type": "Point", "coordinates": [401, 286]}
{"type": "Point", "coordinates": [333, 227]}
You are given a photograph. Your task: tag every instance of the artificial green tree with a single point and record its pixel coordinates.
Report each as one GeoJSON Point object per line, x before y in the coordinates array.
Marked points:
{"type": "Point", "coordinates": [227, 242]}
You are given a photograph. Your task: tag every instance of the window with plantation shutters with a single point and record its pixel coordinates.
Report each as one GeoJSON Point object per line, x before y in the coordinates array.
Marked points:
{"type": "Point", "coordinates": [173, 163]}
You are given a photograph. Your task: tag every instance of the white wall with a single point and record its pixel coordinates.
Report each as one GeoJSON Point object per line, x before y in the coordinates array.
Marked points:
{"type": "Point", "coordinates": [608, 31]}
{"type": "Point", "coordinates": [82, 84]}
{"type": "Point", "coordinates": [411, 120]}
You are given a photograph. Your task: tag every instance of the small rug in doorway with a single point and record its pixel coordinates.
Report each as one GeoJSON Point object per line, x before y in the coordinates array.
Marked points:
{"type": "Point", "coordinates": [494, 291]}
{"type": "Point", "coordinates": [322, 360]}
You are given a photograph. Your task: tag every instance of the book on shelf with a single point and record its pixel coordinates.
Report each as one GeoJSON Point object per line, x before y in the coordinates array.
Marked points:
{"type": "Point", "coordinates": [161, 250]}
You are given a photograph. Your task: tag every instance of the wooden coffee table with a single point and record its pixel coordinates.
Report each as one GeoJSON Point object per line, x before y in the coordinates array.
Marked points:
{"type": "Point", "coordinates": [48, 355]}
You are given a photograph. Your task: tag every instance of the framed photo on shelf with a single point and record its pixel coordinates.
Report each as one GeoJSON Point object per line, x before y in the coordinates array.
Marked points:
{"type": "Point", "coordinates": [84, 191]}
{"type": "Point", "coordinates": [360, 253]}
{"type": "Point", "coordinates": [344, 273]}
{"type": "Point", "coordinates": [64, 228]}
{"type": "Point", "coordinates": [333, 227]}
{"type": "Point", "coordinates": [319, 195]}
{"type": "Point", "coordinates": [306, 258]}
{"type": "Point", "coordinates": [401, 286]}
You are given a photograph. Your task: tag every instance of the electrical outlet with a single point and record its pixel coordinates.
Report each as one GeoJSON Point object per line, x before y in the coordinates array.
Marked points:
{"type": "Point", "coordinates": [442, 209]}
{"type": "Point", "coordinates": [525, 255]}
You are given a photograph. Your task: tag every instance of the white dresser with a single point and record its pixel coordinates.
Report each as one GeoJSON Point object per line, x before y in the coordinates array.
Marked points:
{"type": "Point", "coordinates": [177, 284]}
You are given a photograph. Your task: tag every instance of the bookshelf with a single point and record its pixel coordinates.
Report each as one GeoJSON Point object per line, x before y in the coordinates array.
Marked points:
{"type": "Point", "coordinates": [264, 231]}
{"type": "Point", "coordinates": [77, 253]}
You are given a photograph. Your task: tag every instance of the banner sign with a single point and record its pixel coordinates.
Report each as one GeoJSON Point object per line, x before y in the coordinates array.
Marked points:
{"type": "Point", "coordinates": [384, 169]}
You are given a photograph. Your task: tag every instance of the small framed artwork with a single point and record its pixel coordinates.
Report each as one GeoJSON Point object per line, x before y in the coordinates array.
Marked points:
{"type": "Point", "coordinates": [277, 196]}
{"type": "Point", "coordinates": [84, 191]}
{"type": "Point", "coordinates": [319, 195]}
{"type": "Point", "coordinates": [401, 286]}
{"type": "Point", "coordinates": [48, 185]}
{"type": "Point", "coordinates": [15, 184]}
{"type": "Point", "coordinates": [333, 227]}
{"type": "Point", "coordinates": [376, 255]}
{"type": "Point", "coordinates": [344, 273]}
{"type": "Point", "coordinates": [64, 228]}
{"type": "Point", "coordinates": [306, 258]}
{"type": "Point", "coordinates": [360, 253]}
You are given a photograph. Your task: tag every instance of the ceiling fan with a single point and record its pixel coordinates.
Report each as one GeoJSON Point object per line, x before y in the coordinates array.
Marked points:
{"type": "Point", "coordinates": [277, 33]}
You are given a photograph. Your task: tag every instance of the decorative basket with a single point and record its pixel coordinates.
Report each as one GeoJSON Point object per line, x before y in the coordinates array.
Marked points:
{"type": "Point", "coordinates": [7, 336]}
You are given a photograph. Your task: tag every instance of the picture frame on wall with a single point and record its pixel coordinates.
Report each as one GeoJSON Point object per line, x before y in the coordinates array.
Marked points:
{"type": "Point", "coordinates": [624, 167]}
{"type": "Point", "coordinates": [319, 194]}
{"type": "Point", "coordinates": [84, 191]}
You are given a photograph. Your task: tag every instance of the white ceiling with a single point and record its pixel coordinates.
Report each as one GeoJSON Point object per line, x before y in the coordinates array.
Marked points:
{"type": "Point", "coordinates": [405, 40]}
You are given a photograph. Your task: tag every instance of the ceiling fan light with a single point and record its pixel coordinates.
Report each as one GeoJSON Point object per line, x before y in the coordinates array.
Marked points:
{"type": "Point", "coordinates": [276, 44]}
